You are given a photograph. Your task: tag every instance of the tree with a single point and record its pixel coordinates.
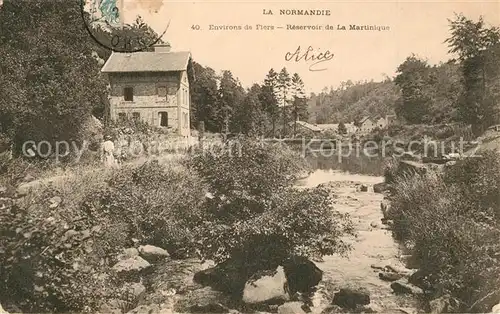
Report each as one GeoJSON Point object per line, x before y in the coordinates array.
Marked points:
{"type": "Point", "coordinates": [230, 97]}
{"type": "Point", "coordinates": [413, 78]}
{"type": "Point", "coordinates": [477, 49]}
{"type": "Point", "coordinates": [284, 95]}
{"type": "Point", "coordinates": [299, 110]}
{"type": "Point", "coordinates": [49, 88]}
{"type": "Point", "coordinates": [251, 118]}
{"type": "Point", "coordinates": [341, 128]}
{"type": "Point", "coordinates": [204, 98]}
{"type": "Point", "coordinates": [268, 97]}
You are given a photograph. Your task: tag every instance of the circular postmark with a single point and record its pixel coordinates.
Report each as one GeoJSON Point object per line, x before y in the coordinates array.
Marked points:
{"type": "Point", "coordinates": [105, 23]}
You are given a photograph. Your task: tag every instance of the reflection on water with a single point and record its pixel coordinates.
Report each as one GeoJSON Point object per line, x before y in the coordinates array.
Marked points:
{"type": "Point", "coordinates": [352, 164]}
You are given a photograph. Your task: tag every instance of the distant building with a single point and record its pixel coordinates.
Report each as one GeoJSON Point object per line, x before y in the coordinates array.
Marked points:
{"type": "Point", "coordinates": [306, 126]}
{"type": "Point", "coordinates": [151, 86]}
{"type": "Point", "coordinates": [381, 123]}
{"type": "Point", "coordinates": [334, 127]}
{"type": "Point", "coordinates": [366, 125]}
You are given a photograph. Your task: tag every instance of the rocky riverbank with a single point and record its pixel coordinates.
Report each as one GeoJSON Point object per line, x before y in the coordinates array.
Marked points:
{"type": "Point", "coordinates": [372, 278]}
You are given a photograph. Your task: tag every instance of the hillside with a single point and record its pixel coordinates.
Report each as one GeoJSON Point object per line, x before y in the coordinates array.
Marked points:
{"type": "Point", "coordinates": [419, 94]}
{"type": "Point", "coordinates": [351, 101]}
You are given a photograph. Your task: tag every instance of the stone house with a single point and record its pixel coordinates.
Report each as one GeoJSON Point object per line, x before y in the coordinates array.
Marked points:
{"type": "Point", "coordinates": [152, 87]}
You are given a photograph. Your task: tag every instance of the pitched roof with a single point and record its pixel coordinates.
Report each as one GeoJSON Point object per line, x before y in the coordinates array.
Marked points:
{"type": "Point", "coordinates": [147, 62]}
{"type": "Point", "coordinates": [364, 119]}
{"type": "Point", "coordinates": [308, 126]}
{"type": "Point", "coordinates": [328, 126]}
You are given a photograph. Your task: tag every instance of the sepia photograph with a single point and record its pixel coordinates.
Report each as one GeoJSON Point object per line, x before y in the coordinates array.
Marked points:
{"type": "Point", "coordinates": [249, 156]}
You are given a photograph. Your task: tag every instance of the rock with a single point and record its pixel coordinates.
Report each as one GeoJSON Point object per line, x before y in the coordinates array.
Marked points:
{"type": "Point", "coordinates": [228, 276]}
{"type": "Point", "coordinates": [401, 287]}
{"type": "Point", "coordinates": [496, 308]}
{"type": "Point", "coordinates": [204, 300]}
{"type": "Point", "coordinates": [291, 308]}
{"type": "Point", "coordinates": [372, 308]}
{"type": "Point", "coordinates": [2, 311]}
{"type": "Point", "coordinates": [28, 178]}
{"type": "Point", "coordinates": [209, 308]}
{"type": "Point", "coordinates": [378, 266]}
{"type": "Point", "coordinates": [380, 187]}
{"type": "Point", "coordinates": [135, 263]}
{"type": "Point", "coordinates": [152, 253]}
{"type": "Point", "coordinates": [54, 202]}
{"type": "Point", "coordinates": [266, 288]}
{"type": "Point", "coordinates": [351, 298]}
{"type": "Point", "coordinates": [374, 224]}
{"type": "Point", "coordinates": [419, 279]}
{"type": "Point", "coordinates": [135, 289]}
{"type": "Point", "coordinates": [128, 253]}
{"type": "Point", "coordinates": [384, 207]}
{"type": "Point", "coordinates": [439, 305]}
{"type": "Point", "coordinates": [363, 188]}
{"type": "Point", "coordinates": [333, 309]}
{"type": "Point", "coordinates": [400, 270]}
{"type": "Point", "coordinates": [389, 276]}
{"type": "Point", "coordinates": [407, 310]}
{"type": "Point", "coordinates": [387, 222]}
{"type": "Point", "coordinates": [146, 309]}
{"type": "Point", "coordinates": [113, 306]}
{"type": "Point", "coordinates": [302, 275]}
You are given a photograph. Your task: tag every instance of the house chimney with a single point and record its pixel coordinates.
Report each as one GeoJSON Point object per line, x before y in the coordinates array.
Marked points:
{"type": "Point", "coordinates": [162, 47]}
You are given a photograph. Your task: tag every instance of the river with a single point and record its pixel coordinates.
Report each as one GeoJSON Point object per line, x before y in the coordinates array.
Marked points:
{"type": "Point", "coordinates": [373, 245]}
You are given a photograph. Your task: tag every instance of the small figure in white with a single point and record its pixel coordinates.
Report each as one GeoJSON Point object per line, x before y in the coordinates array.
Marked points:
{"type": "Point", "coordinates": [107, 150]}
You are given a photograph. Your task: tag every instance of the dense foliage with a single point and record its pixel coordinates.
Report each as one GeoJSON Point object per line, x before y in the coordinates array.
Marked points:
{"type": "Point", "coordinates": [255, 214]}
{"type": "Point", "coordinates": [225, 106]}
{"type": "Point", "coordinates": [451, 221]}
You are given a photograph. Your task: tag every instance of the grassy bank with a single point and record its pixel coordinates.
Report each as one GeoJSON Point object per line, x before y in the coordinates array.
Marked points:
{"type": "Point", "coordinates": [450, 221]}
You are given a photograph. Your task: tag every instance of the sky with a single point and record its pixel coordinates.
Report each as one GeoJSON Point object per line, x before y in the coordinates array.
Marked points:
{"type": "Point", "coordinates": [418, 27]}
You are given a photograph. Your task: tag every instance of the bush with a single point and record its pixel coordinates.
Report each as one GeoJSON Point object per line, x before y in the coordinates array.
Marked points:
{"type": "Point", "coordinates": [256, 214]}
{"type": "Point", "coordinates": [57, 259]}
{"type": "Point", "coordinates": [157, 202]}
{"type": "Point", "coordinates": [451, 221]}
{"type": "Point", "coordinates": [60, 259]}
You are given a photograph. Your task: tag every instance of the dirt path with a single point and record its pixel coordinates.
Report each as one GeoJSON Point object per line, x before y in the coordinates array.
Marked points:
{"type": "Point", "coordinates": [374, 245]}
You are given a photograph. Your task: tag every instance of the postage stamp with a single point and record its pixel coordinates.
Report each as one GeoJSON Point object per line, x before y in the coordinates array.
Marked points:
{"type": "Point", "coordinates": [115, 26]}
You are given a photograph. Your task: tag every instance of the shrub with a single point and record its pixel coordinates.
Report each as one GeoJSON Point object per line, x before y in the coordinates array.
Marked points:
{"type": "Point", "coordinates": [451, 221]}
{"type": "Point", "coordinates": [57, 259]}
{"type": "Point", "coordinates": [157, 202]}
{"type": "Point", "coordinates": [256, 214]}
{"type": "Point", "coordinates": [60, 259]}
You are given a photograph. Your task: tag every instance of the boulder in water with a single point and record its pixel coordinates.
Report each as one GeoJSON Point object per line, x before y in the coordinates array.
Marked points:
{"type": "Point", "coordinates": [229, 276]}
{"type": "Point", "coordinates": [401, 287]}
{"type": "Point", "coordinates": [268, 288]}
{"type": "Point", "coordinates": [389, 276]}
{"type": "Point", "coordinates": [351, 298]}
{"type": "Point", "coordinates": [152, 253]}
{"type": "Point", "coordinates": [292, 308]}
{"type": "Point", "coordinates": [132, 264]}
{"type": "Point", "coordinates": [302, 275]}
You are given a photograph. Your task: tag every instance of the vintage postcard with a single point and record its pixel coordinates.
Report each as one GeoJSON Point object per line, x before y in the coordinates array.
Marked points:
{"type": "Point", "coordinates": [167, 156]}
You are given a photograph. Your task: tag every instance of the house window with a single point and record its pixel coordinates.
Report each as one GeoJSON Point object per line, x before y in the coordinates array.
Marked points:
{"type": "Point", "coordinates": [185, 119]}
{"type": "Point", "coordinates": [136, 116]}
{"type": "Point", "coordinates": [161, 91]}
{"type": "Point", "coordinates": [128, 94]}
{"type": "Point", "coordinates": [163, 118]}
{"type": "Point", "coordinates": [122, 116]}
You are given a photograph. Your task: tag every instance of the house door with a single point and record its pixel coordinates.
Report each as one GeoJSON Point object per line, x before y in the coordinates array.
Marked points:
{"type": "Point", "coordinates": [163, 118]}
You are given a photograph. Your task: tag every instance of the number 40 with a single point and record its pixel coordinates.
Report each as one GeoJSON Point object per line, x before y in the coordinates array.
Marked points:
{"type": "Point", "coordinates": [195, 27]}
